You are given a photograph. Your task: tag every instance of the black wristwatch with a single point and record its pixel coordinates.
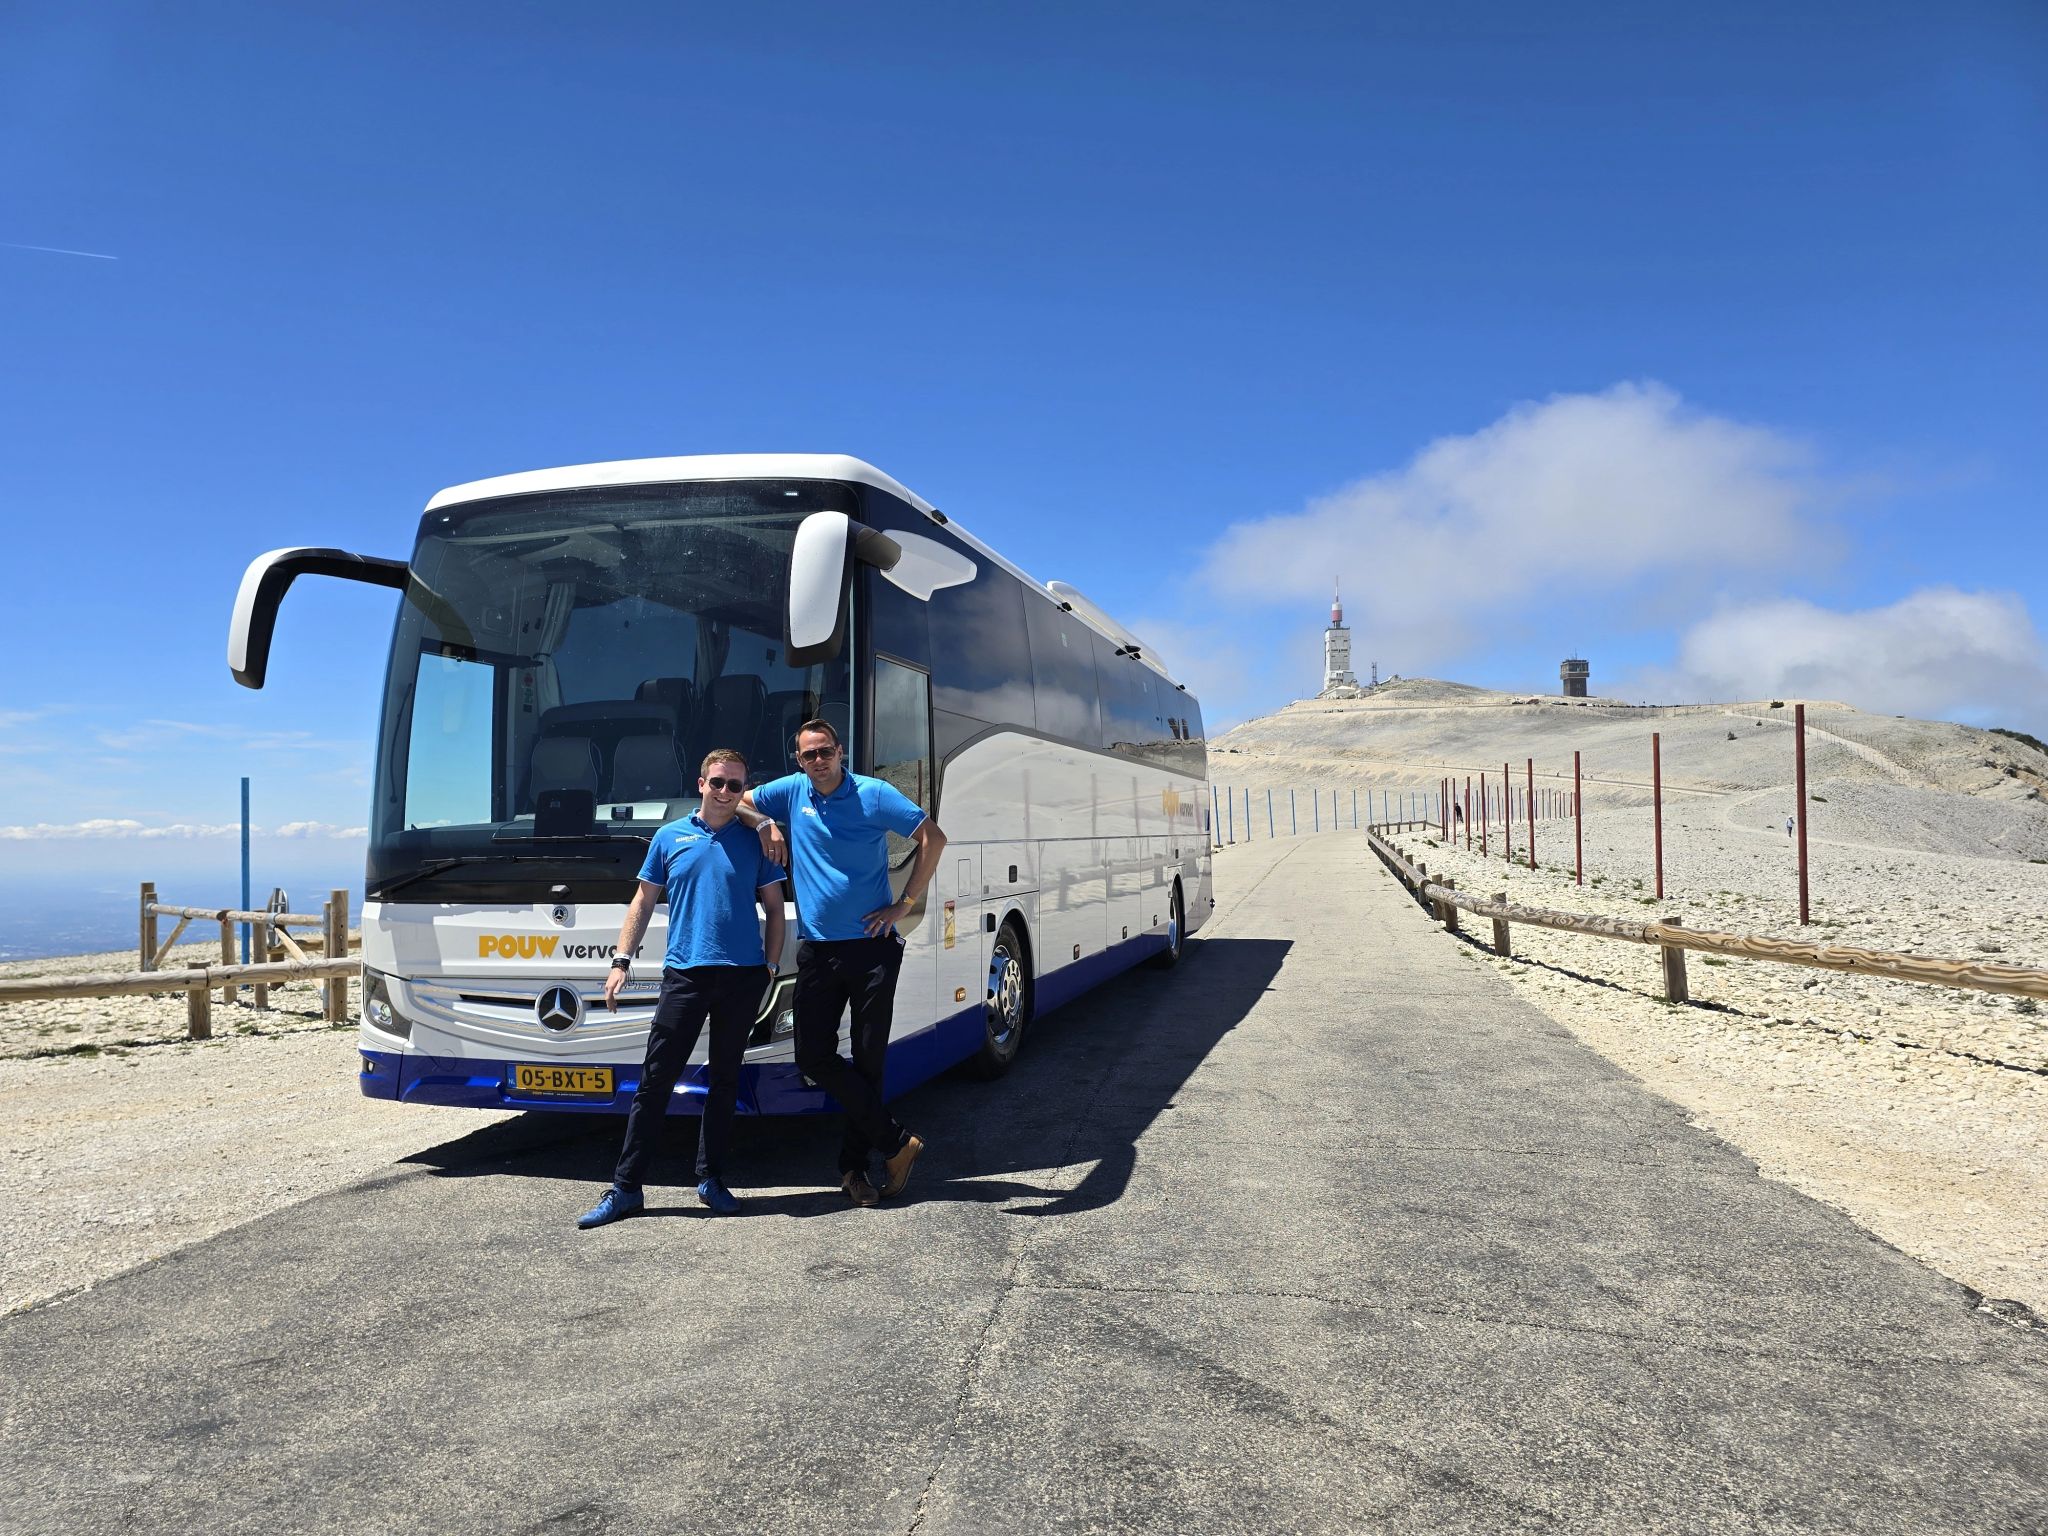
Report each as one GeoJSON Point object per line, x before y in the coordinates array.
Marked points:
{"type": "Point", "coordinates": [623, 963]}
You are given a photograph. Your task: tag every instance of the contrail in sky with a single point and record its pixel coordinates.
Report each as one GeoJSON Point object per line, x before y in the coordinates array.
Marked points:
{"type": "Point", "coordinates": [57, 250]}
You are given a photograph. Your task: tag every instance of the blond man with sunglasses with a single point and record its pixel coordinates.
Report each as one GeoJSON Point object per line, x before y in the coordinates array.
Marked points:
{"type": "Point", "coordinates": [712, 871]}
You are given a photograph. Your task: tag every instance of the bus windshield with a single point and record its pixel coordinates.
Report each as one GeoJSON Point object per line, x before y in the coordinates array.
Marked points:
{"type": "Point", "coordinates": [562, 663]}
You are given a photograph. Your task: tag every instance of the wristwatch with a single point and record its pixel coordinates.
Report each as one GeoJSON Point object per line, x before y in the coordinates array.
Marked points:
{"type": "Point", "coordinates": [623, 963]}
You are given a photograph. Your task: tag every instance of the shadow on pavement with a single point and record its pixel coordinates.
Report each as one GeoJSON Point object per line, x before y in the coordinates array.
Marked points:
{"type": "Point", "coordinates": [1091, 1078]}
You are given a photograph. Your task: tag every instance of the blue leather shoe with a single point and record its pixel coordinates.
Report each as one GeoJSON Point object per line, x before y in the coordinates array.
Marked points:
{"type": "Point", "coordinates": [616, 1205]}
{"type": "Point", "coordinates": [718, 1198]}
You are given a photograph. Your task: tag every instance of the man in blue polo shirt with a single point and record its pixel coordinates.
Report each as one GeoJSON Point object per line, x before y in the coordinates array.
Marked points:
{"type": "Point", "coordinates": [850, 953]}
{"type": "Point", "coordinates": [711, 871]}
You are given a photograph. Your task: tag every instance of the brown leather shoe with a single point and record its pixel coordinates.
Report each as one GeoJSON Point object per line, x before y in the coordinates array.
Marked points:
{"type": "Point", "coordinates": [899, 1167]}
{"type": "Point", "coordinates": [858, 1189]}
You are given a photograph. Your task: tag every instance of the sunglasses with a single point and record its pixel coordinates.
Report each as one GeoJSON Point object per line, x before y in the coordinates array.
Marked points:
{"type": "Point", "coordinates": [735, 785]}
{"type": "Point", "coordinates": [816, 754]}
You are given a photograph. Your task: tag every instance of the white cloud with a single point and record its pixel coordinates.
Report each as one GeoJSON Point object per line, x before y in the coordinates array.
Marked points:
{"type": "Point", "coordinates": [313, 829]}
{"type": "Point", "coordinates": [1936, 653]}
{"type": "Point", "coordinates": [1556, 501]}
{"type": "Point", "coordinates": [1564, 515]}
{"type": "Point", "coordinates": [123, 828]}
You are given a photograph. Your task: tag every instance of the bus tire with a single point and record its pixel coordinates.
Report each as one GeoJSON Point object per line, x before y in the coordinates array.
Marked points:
{"type": "Point", "coordinates": [1176, 933]}
{"type": "Point", "coordinates": [1008, 1007]}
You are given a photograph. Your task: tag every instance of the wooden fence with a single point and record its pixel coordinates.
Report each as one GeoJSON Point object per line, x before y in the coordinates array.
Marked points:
{"type": "Point", "coordinates": [331, 965]}
{"type": "Point", "coordinates": [1673, 939]}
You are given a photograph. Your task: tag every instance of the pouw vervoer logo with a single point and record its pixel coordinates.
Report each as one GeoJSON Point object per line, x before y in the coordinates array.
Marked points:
{"type": "Point", "coordinates": [559, 1008]}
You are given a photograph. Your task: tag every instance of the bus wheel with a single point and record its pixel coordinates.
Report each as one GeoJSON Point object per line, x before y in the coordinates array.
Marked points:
{"type": "Point", "coordinates": [1009, 1002]}
{"type": "Point", "coordinates": [1176, 933]}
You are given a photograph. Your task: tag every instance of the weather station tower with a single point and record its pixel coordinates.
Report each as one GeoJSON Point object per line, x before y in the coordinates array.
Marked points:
{"type": "Point", "coordinates": [1339, 682]}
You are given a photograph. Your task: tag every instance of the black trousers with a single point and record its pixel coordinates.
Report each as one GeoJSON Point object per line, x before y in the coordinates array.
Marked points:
{"type": "Point", "coordinates": [730, 995]}
{"type": "Point", "coordinates": [830, 975]}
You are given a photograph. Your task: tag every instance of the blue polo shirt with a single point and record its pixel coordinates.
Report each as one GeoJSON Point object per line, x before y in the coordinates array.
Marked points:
{"type": "Point", "coordinates": [839, 847]}
{"type": "Point", "coordinates": [711, 879]}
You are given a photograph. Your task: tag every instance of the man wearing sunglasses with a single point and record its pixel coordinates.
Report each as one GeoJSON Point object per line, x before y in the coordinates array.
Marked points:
{"type": "Point", "coordinates": [712, 871]}
{"type": "Point", "coordinates": [850, 952]}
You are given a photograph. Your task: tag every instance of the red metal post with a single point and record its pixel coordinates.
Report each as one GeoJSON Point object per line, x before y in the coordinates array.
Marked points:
{"type": "Point", "coordinates": [1468, 813]}
{"type": "Point", "coordinates": [1507, 815]}
{"type": "Point", "coordinates": [1799, 762]}
{"type": "Point", "coordinates": [1531, 801]}
{"type": "Point", "coordinates": [1483, 815]}
{"type": "Point", "coordinates": [1657, 803]}
{"type": "Point", "coordinates": [1578, 820]}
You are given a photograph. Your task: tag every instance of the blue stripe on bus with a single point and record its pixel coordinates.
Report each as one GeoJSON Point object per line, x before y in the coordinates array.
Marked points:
{"type": "Point", "coordinates": [1078, 976]}
{"type": "Point", "coordinates": [766, 1088]}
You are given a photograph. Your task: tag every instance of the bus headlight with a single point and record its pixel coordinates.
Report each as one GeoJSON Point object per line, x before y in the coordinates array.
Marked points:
{"type": "Point", "coordinates": [378, 1011]}
{"type": "Point", "coordinates": [780, 1012]}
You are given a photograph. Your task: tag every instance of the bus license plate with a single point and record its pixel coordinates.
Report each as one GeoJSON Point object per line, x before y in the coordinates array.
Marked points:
{"type": "Point", "coordinates": [562, 1082]}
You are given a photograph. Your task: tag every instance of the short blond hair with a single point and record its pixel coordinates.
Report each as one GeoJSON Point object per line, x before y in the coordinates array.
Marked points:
{"type": "Point", "coordinates": [720, 755]}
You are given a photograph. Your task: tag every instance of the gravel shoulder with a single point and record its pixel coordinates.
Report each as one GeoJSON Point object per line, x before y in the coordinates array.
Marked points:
{"type": "Point", "coordinates": [124, 1142]}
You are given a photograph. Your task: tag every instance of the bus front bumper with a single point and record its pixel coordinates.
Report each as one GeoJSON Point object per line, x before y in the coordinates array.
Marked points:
{"type": "Point", "coordinates": [469, 1082]}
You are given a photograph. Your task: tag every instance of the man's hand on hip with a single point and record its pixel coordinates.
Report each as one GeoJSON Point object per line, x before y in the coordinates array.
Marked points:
{"type": "Point", "coordinates": [880, 922]}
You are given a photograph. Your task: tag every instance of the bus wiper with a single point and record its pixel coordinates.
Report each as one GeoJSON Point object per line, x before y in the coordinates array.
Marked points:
{"type": "Point", "coordinates": [428, 871]}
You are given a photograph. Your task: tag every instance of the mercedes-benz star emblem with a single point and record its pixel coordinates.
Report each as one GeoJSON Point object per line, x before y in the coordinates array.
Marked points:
{"type": "Point", "coordinates": [559, 1008]}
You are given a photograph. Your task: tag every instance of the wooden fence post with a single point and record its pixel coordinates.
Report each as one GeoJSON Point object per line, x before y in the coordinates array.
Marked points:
{"type": "Point", "coordinates": [337, 947]}
{"type": "Point", "coordinates": [1446, 910]}
{"type": "Point", "coordinates": [1501, 945]}
{"type": "Point", "coordinates": [199, 1013]}
{"type": "Point", "coordinates": [1674, 968]}
{"type": "Point", "coordinates": [148, 925]}
{"type": "Point", "coordinates": [228, 990]}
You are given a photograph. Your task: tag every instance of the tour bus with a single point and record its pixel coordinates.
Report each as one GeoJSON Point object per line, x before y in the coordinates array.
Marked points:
{"type": "Point", "coordinates": [571, 642]}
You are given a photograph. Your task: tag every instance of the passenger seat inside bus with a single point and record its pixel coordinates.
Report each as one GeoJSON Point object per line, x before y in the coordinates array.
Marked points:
{"type": "Point", "coordinates": [645, 768]}
{"type": "Point", "coordinates": [787, 709]}
{"type": "Point", "coordinates": [563, 762]}
{"type": "Point", "coordinates": [733, 711]}
{"type": "Point", "coordinates": [577, 741]}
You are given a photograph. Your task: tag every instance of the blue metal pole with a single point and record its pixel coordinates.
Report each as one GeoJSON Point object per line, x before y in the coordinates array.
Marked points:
{"type": "Point", "coordinates": [1269, 813]}
{"type": "Point", "coordinates": [245, 868]}
{"type": "Point", "coordinates": [1315, 805]}
{"type": "Point", "coordinates": [1293, 820]}
{"type": "Point", "coordinates": [1230, 819]}
{"type": "Point", "coordinates": [1247, 813]}
{"type": "Point", "coordinates": [1212, 813]}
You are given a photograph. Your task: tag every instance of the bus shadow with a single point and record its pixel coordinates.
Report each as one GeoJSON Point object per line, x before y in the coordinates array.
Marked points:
{"type": "Point", "coordinates": [1092, 1077]}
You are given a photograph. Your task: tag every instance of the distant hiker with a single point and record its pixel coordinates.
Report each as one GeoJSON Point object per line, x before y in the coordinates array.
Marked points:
{"type": "Point", "coordinates": [711, 871]}
{"type": "Point", "coordinates": [1788, 826]}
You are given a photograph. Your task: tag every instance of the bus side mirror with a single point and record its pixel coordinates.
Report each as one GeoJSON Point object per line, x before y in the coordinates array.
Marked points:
{"type": "Point", "coordinates": [821, 573]}
{"type": "Point", "coordinates": [264, 585]}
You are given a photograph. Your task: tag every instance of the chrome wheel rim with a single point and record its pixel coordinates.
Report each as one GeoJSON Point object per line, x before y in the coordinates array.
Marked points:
{"type": "Point", "coordinates": [1005, 995]}
{"type": "Point", "coordinates": [1173, 924]}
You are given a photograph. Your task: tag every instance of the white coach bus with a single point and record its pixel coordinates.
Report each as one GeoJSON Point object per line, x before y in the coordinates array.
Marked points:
{"type": "Point", "coordinates": [570, 642]}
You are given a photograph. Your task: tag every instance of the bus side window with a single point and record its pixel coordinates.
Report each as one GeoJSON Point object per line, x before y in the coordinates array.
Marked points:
{"type": "Point", "coordinates": [903, 741]}
{"type": "Point", "coordinates": [1063, 666]}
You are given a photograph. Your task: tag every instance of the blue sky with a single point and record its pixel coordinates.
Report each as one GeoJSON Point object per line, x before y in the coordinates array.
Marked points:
{"type": "Point", "coordinates": [1706, 342]}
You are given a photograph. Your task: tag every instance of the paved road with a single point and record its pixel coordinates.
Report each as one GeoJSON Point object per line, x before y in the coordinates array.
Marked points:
{"type": "Point", "coordinates": [1323, 1231]}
